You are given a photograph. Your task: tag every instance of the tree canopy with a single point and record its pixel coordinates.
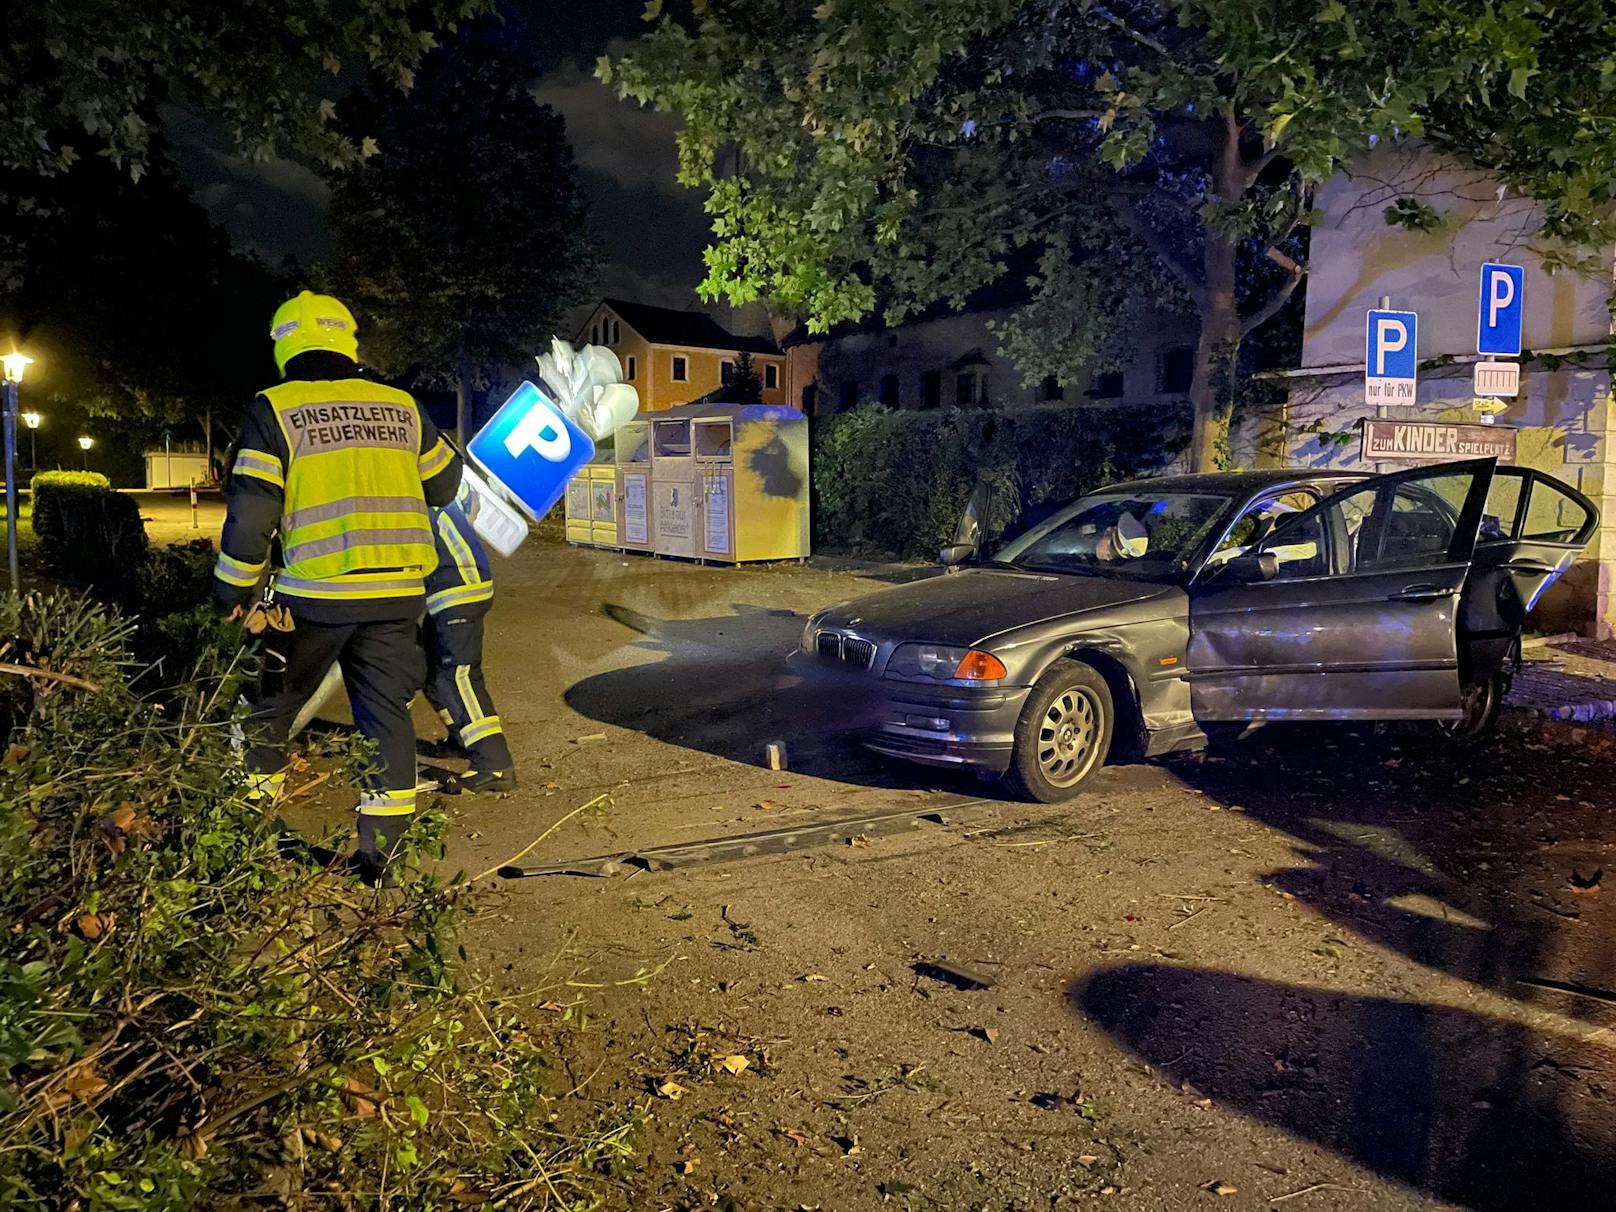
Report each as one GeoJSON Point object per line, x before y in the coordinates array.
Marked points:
{"type": "Point", "coordinates": [87, 77]}
{"type": "Point", "coordinates": [463, 243]}
{"type": "Point", "coordinates": [1138, 156]}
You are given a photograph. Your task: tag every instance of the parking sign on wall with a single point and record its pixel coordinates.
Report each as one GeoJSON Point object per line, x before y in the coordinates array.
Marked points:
{"type": "Point", "coordinates": [1500, 310]}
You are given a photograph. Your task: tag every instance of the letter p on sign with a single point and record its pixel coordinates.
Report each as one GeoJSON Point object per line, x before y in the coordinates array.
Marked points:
{"type": "Point", "coordinates": [1392, 338]}
{"type": "Point", "coordinates": [1500, 310]}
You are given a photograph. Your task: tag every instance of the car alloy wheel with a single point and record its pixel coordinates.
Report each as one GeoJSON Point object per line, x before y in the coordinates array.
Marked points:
{"type": "Point", "coordinates": [1068, 737]}
{"type": "Point", "coordinates": [1479, 702]}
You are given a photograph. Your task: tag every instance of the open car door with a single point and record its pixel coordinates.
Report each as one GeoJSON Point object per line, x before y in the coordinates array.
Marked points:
{"type": "Point", "coordinates": [1532, 530]}
{"type": "Point", "coordinates": [1346, 611]}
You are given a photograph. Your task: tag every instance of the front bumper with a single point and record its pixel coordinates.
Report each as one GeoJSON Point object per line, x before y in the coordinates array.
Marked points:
{"type": "Point", "coordinates": [946, 725]}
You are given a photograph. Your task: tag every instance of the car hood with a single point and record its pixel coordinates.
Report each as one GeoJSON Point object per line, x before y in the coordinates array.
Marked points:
{"type": "Point", "coordinates": [969, 606]}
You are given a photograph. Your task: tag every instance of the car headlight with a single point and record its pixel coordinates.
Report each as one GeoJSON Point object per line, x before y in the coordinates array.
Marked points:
{"type": "Point", "coordinates": [942, 663]}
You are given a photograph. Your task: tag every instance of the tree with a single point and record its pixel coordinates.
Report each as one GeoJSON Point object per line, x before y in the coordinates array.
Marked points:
{"type": "Point", "coordinates": [744, 386]}
{"type": "Point", "coordinates": [87, 77]}
{"type": "Point", "coordinates": [891, 153]}
{"type": "Point", "coordinates": [464, 241]}
{"type": "Point", "coordinates": [130, 297]}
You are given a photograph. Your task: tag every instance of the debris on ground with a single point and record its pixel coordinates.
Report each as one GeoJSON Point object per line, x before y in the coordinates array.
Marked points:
{"type": "Point", "coordinates": [954, 974]}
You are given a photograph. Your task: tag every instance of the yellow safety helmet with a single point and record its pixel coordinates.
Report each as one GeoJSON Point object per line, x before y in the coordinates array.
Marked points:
{"type": "Point", "coordinates": [312, 321]}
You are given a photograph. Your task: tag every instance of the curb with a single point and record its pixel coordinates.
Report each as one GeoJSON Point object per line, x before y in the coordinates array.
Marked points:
{"type": "Point", "coordinates": [1538, 724]}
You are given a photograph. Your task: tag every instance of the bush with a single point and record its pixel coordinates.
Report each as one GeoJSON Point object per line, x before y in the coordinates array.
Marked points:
{"type": "Point", "coordinates": [196, 1016]}
{"type": "Point", "coordinates": [896, 482]}
{"type": "Point", "coordinates": [91, 536]}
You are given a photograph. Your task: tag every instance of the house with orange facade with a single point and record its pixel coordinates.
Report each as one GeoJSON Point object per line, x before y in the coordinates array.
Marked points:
{"type": "Point", "coordinates": [674, 357]}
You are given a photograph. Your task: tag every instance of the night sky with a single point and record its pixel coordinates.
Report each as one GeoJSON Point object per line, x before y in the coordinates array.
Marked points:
{"type": "Point", "coordinates": [653, 229]}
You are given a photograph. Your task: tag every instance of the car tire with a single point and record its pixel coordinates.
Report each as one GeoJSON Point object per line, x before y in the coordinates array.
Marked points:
{"type": "Point", "coordinates": [1482, 703]}
{"type": "Point", "coordinates": [1064, 733]}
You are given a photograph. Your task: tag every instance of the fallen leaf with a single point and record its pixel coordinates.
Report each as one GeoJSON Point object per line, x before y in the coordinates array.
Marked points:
{"type": "Point", "coordinates": [860, 841]}
{"type": "Point", "coordinates": [193, 1145]}
{"type": "Point", "coordinates": [990, 1034]}
{"type": "Point", "coordinates": [465, 1196]}
{"type": "Point", "coordinates": [1088, 1159]}
{"type": "Point", "coordinates": [593, 736]}
{"type": "Point", "coordinates": [331, 1144]}
{"type": "Point", "coordinates": [732, 1064]}
{"type": "Point", "coordinates": [794, 1136]}
{"type": "Point", "coordinates": [84, 1083]}
{"type": "Point", "coordinates": [813, 976]}
{"type": "Point", "coordinates": [688, 1166]}
{"type": "Point", "coordinates": [1222, 1188]}
{"type": "Point", "coordinates": [550, 1006]}
{"type": "Point", "coordinates": [671, 1090]}
{"type": "Point", "coordinates": [14, 754]}
{"type": "Point", "coordinates": [121, 817]}
{"type": "Point", "coordinates": [1108, 1190]}
{"type": "Point", "coordinates": [764, 805]}
{"type": "Point", "coordinates": [850, 1146]}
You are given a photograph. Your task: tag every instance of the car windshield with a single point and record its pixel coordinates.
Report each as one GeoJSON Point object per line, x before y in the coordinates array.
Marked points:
{"type": "Point", "coordinates": [1149, 535]}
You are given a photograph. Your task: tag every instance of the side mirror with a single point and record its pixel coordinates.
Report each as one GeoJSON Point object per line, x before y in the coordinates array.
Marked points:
{"type": "Point", "coordinates": [956, 553]}
{"type": "Point", "coordinates": [1252, 568]}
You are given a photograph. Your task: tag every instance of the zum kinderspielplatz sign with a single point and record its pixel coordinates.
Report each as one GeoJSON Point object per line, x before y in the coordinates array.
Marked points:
{"type": "Point", "coordinates": [1434, 442]}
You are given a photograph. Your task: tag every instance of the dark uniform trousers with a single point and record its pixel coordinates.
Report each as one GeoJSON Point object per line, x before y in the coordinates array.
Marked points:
{"type": "Point", "coordinates": [382, 669]}
{"type": "Point", "coordinates": [455, 685]}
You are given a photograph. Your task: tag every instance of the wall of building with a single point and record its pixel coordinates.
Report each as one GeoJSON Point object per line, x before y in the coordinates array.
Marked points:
{"type": "Point", "coordinates": [704, 374]}
{"type": "Point", "coordinates": [1564, 413]}
{"type": "Point", "coordinates": [892, 365]}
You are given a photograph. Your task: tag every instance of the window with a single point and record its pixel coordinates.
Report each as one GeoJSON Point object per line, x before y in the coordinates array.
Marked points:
{"type": "Point", "coordinates": [617, 332]}
{"type": "Point", "coordinates": [1258, 522]}
{"type": "Point", "coordinates": [1175, 368]}
{"type": "Point", "coordinates": [1500, 518]}
{"type": "Point", "coordinates": [970, 387]}
{"type": "Point", "coordinates": [1144, 535]}
{"type": "Point", "coordinates": [681, 369]}
{"type": "Point", "coordinates": [810, 395]}
{"type": "Point", "coordinates": [771, 376]}
{"type": "Point", "coordinates": [1050, 390]}
{"type": "Point", "coordinates": [628, 375]}
{"type": "Point", "coordinates": [726, 371]}
{"type": "Point", "coordinates": [1107, 385]}
{"type": "Point", "coordinates": [1300, 546]}
{"type": "Point", "coordinates": [1552, 516]}
{"type": "Point", "coordinates": [850, 393]}
{"type": "Point", "coordinates": [931, 389]}
{"type": "Point", "coordinates": [889, 390]}
{"type": "Point", "coordinates": [594, 333]}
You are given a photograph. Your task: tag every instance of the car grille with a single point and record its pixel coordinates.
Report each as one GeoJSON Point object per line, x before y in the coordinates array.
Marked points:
{"type": "Point", "coordinates": [848, 649]}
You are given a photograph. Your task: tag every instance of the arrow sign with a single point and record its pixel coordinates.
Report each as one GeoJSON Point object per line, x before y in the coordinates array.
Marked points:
{"type": "Point", "coordinates": [1500, 309]}
{"type": "Point", "coordinates": [1488, 407]}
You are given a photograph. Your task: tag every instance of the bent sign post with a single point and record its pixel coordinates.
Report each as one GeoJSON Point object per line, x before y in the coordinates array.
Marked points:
{"type": "Point", "coordinates": [1434, 442]}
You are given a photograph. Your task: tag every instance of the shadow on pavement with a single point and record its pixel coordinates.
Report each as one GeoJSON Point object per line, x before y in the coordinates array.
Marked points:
{"type": "Point", "coordinates": [728, 685]}
{"type": "Point", "coordinates": [1478, 1110]}
{"type": "Point", "coordinates": [1466, 861]}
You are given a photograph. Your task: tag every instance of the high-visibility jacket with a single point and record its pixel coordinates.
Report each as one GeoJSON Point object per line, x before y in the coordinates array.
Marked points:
{"type": "Point", "coordinates": [344, 469]}
{"type": "Point", "coordinates": [462, 577]}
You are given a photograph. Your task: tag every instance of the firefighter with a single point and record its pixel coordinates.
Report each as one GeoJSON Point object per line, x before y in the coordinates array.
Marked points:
{"type": "Point", "coordinates": [343, 471]}
{"type": "Point", "coordinates": [459, 595]}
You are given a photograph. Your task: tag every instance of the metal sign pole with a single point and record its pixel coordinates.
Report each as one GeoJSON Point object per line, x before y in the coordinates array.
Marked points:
{"type": "Point", "coordinates": [11, 482]}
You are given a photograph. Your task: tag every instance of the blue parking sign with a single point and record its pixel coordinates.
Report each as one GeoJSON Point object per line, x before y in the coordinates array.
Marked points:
{"type": "Point", "coordinates": [1500, 310]}
{"type": "Point", "coordinates": [532, 449]}
{"type": "Point", "coordinates": [1391, 357]}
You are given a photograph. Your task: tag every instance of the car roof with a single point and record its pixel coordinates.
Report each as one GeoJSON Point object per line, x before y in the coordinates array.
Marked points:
{"type": "Point", "coordinates": [1238, 483]}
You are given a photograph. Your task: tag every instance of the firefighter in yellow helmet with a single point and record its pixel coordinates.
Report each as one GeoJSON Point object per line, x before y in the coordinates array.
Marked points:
{"type": "Point", "coordinates": [342, 470]}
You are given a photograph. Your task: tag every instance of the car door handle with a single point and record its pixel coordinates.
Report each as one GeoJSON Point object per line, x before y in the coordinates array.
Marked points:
{"type": "Point", "coordinates": [1530, 568]}
{"type": "Point", "coordinates": [1420, 593]}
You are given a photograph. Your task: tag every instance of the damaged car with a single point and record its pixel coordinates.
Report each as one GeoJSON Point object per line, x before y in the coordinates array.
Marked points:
{"type": "Point", "coordinates": [1149, 616]}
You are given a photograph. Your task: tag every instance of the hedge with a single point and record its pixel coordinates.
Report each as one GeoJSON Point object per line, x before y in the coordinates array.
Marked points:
{"type": "Point", "coordinates": [91, 536]}
{"type": "Point", "coordinates": [896, 482]}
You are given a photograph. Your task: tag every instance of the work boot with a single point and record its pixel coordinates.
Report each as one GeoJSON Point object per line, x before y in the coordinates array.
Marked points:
{"type": "Point", "coordinates": [478, 782]}
{"type": "Point", "coordinates": [380, 840]}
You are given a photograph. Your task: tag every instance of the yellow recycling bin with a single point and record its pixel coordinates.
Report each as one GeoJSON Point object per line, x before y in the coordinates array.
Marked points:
{"type": "Point", "coordinates": [729, 482]}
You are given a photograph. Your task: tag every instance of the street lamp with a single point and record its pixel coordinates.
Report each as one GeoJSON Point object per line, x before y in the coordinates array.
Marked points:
{"type": "Point", "coordinates": [13, 364]}
{"type": "Point", "coordinates": [33, 421]}
{"type": "Point", "coordinates": [85, 442]}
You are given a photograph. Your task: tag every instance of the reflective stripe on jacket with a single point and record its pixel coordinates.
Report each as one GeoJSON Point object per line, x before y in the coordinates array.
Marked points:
{"type": "Point", "coordinates": [354, 521]}
{"type": "Point", "coordinates": [462, 576]}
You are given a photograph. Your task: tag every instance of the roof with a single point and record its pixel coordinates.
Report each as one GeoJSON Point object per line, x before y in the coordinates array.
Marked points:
{"type": "Point", "coordinates": [692, 329]}
{"type": "Point", "coordinates": [1238, 483]}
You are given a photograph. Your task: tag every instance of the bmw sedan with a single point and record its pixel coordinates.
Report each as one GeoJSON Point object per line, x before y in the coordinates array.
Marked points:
{"type": "Point", "coordinates": [1149, 615]}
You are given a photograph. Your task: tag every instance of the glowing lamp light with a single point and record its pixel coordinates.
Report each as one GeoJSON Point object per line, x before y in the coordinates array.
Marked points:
{"type": "Point", "coordinates": [85, 442]}
{"type": "Point", "coordinates": [15, 363]}
{"type": "Point", "coordinates": [32, 419]}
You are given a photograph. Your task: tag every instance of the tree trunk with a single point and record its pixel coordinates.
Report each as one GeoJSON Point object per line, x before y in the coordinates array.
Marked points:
{"type": "Point", "coordinates": [462, 396]}
{"type": "Point", "coordinates": [1215, 353]}
{"type": "Point", "coordinates": [1211, 388]}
